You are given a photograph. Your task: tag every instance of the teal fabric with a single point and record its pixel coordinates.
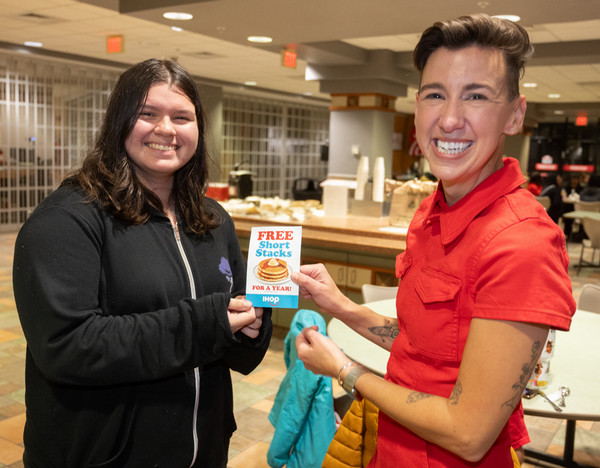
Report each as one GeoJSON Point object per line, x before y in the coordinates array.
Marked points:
{"type": "Point", "coordinates": [302, 414]}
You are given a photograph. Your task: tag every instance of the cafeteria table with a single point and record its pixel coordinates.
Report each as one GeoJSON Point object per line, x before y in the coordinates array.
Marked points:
{"type": "Point", "coordinates": [574, 364]}
{"type": "Point", "coordinates": [581, 214]}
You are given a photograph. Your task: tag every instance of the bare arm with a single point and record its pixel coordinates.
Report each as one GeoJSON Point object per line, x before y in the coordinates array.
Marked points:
{"type": "Point", "coordinates": [315, 283]}
{"type": "Point", "coordinates": [498, 359]}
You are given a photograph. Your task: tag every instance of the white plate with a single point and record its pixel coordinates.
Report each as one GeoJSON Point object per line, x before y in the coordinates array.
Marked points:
{"type": "Point", "coordinates": [285, 280]}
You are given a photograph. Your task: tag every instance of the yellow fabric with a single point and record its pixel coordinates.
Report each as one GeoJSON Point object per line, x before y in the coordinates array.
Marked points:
{"type": "Point", "coordinates": [354, 442]}
{"type": "Point", "coordinates": [515, 459]}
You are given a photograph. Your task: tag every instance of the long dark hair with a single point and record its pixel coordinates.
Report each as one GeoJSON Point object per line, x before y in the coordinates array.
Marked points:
{"type": "Point", "coordinates": [107, 174]}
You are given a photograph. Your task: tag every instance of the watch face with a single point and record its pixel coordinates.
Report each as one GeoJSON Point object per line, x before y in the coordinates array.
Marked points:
{"type": "Point", "coordinates": [353, 374]}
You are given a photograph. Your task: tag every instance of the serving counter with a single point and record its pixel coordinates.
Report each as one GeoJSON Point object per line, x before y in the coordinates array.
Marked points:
{"type": "Point", "coordinates": [354, 249]}
{"type": "Point", "coordinates": [359, 233]}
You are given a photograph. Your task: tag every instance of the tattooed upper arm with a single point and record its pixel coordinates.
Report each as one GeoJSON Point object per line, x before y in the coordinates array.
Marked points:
{"type": "Point", "coordinates": [526, 370]}
{"type": "Point", "coordinates": [388, 331]}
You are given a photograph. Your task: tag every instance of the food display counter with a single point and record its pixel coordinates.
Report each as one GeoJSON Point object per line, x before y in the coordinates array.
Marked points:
{"type": "Point", "coordinates": [354, 249]}
{"type": "Point", "coordinates": [369, 235]}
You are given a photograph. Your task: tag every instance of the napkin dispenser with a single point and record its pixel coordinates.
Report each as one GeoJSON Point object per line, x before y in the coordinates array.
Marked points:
{"type": "Point", "coordinates": [240, 183]}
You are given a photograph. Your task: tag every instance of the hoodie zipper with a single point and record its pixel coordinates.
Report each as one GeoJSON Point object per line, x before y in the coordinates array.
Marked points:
{"type": "Point", "coordinates": [196, 370]}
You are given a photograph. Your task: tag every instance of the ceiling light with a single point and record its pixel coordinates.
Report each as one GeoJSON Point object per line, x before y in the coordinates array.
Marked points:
{"type": "Point", "coordinates": [33, 44]}
{"type": "Point", "coordinates": [250, 83]}
{"type": "Point", "coordinates": [513, 18]}
{"type": "Point", "coordinates": [260, 39]}
{"type": "Point", "coordinates": [554, 95]}
{"type": "Point", "coordinates": [174, 15]}
{"type": "Point", "coordinates": [559, 112]}
{"type": "Point", "coordinates": [529, 85]}
{"type": "Point", "coordinates": [176, 28]}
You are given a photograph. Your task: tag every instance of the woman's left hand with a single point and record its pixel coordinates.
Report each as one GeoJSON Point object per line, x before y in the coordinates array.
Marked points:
{"type": "Point", "coordinates": [253, 330]}
{"type": "Point", "coordinates": [318, 353]}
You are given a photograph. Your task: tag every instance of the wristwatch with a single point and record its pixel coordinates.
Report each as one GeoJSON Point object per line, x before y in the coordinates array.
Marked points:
{"type": "Point", "coordinates": [350, 380]}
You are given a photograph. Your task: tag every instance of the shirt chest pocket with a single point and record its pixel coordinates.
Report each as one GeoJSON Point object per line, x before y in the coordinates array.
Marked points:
{"type": "Point", "coordinates": [433, 318]}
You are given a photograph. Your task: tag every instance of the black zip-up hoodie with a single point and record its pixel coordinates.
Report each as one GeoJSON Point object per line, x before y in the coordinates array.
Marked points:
{"type": "Point", "coordinates": [124, 367]}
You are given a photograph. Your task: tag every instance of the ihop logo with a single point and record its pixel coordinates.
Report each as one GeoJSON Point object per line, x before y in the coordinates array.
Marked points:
{"type": "Point", "coordinates": [273, 300]}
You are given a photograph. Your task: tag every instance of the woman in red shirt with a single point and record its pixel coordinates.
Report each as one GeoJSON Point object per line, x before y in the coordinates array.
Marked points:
{"type": "Point", "coordinates": [482, 279]}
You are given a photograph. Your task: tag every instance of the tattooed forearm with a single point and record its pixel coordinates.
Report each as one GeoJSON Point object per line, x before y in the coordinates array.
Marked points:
{"type": "Point", "coordinates": [413, 397]}
{"type": "Point", "coordinates": [389, 330]}
{"type": "Point", "coordinates": [456, 391]}
{"type": "Point", "coordinates": [526, 370]}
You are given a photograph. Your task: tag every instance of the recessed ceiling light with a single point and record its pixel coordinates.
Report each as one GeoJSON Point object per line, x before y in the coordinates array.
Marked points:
{"type": "Point", "coordinates": [176, 28]}
{"type": "Point", "coordinates": [33, 44]}
{"type": "Point", "coordinates": [250, 83]}
{"type": "Point", "coordinates": [529, 85]}
{"type": "Point", "coordinates": [554, 95]}
{"type": "Point", "coordinates": [175, 15]}
{"type": "Point", "coordinates": [513, 18]}
{"type": "Point", "coordinates": [559, 112]}
{"type": "Point", "coordinates": [307, 93]}
{"type": "Point", "coordinates": [260, 39]}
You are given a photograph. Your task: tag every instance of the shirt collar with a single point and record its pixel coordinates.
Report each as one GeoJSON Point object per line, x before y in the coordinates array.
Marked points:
{"type": "Point", "coordinates": [455, 219]}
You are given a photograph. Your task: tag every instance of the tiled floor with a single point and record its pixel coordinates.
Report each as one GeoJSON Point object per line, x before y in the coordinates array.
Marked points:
{"type": "Point", "coordinates": [253, 394]}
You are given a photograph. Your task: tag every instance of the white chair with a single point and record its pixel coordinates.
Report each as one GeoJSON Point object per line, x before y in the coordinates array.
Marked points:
{"type": "Point", "coordinates": [545, 201]}
{"type": "Point", "coordinates": [592, 229]}
{"type": "Point", "coordinates": [589, 299]}
{"type": "Point", "coordinates": [373, 292]}
{"type": "Point", "coordinates": [587, 206]}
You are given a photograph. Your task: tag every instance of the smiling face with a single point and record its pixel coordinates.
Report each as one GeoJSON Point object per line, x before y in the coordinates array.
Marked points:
{"type": "Point", "coordinates": [164, 137]}
{"type": "Point", "coordinates": [462, 114]}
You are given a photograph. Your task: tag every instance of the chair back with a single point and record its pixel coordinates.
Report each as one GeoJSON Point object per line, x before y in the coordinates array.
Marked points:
{"type": "Point", "coordinates": [545, 201]}
{"type": "Point", "coordinates": [587, 206]}
{"type": "Point", "coordinates": [592, 229]}
{"type": "Point", "coordinates": [589, 298]}
{"type": "Point", "coordinates": [305, 188]}
{"type": "Point", "coordinates": [372, 292]}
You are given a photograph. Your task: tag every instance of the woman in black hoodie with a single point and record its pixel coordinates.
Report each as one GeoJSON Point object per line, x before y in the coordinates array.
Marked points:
{"type": "Point", "coordinates": [129, 284]}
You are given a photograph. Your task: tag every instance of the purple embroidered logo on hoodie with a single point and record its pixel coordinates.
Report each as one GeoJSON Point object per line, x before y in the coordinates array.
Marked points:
{"type": "Point", "coordinates": [226, 270]}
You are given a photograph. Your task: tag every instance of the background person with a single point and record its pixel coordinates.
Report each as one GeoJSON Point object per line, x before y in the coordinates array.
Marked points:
{"type": "Point", "coordinates": [535, 184]}
{"type": "Point", "coordinates": [553, 190]}
{"type": "Point", "coordinates": [483, 276]}
{"type": "Point", "coordinates": [128, 283]}
{"type": "Point", "coordinates": [592, 190]}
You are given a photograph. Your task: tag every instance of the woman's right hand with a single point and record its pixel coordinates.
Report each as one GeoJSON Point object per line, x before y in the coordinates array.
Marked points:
{"type": "Point", "coordinates": [315, 283]}
{"type": "Point", "coordinates": [242, 314]}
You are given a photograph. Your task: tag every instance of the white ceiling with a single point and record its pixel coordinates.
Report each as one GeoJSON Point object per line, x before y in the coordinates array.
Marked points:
{"type": "Point", "coordinates": [213, 45]}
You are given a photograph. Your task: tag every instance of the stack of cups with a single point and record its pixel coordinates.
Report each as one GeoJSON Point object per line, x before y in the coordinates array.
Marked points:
{"type": "Point", "coordinates": [378, 179]}
{"type": "Point", "coordinates": [362, 177]}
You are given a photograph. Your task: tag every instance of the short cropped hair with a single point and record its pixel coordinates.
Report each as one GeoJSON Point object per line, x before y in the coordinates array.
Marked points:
{"type": "Point", "coordinates": [482, 30]}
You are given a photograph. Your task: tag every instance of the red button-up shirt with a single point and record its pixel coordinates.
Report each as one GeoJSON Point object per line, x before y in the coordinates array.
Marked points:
{"type": "Point", "coordinates": [494, 254]}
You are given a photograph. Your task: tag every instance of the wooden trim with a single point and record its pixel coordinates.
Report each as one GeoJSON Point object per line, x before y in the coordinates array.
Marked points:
{"type": "Point", "coordinates": [354, 233]}
{"type": "Point", "coordinates": [383, 109]}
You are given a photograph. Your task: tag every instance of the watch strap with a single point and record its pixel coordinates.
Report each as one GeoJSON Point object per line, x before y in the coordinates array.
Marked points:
{"type": "Point", "coordinates": [350, 379]}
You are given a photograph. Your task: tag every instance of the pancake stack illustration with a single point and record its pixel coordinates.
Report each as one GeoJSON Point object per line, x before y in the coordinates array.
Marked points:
{"type": "Point", "coordinates": [272, 270]}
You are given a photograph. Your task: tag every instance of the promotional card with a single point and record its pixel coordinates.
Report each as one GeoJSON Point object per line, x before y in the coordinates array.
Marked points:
{"type": "Point", "coordinates": [273, 254]}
